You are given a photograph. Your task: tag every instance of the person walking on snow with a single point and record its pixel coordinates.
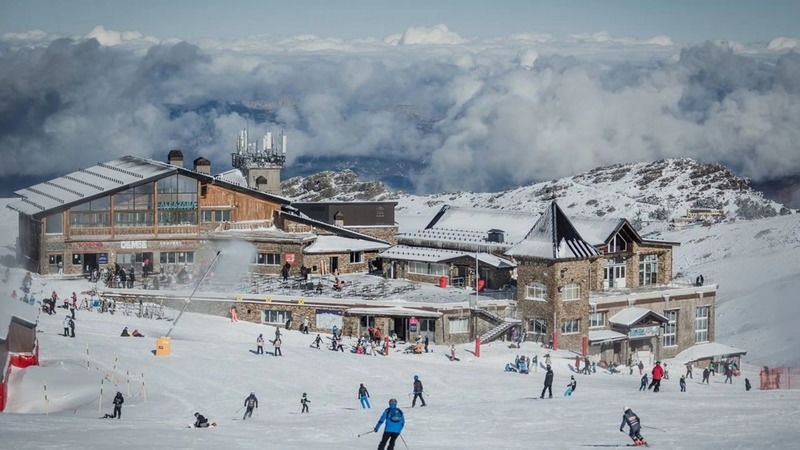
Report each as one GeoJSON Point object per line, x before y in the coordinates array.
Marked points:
{"type": "Point", "coordinates": [658, 373]}
{"type": "Point", "coordinates": [250, 402]}
{"type": "Point", "coordinates": [728, 374]}
{"type": "Point", "coordinates": [317, 341]}
{"type": "Point", "coordinates": [363, 396]}
{"type": "Point", "coordinates": [453, 353]}
{"type": "Point", "coordinates": [417, 392]}
{"type": "Point", "coordinates": [426, 342]}
{"type": "Point", "coordinates": [395, 421]}
{"type": "Point", "coordinates": [71, 326]}
{"type": "Point", "coordinates": [118, 401]}
{"type": "Point", "coordinates": [682, 383]}
{"type": "Point", "coordinates": [571, 386]}
{"type": "Point", "coordinates": [705, 375]}
{"type": "Point", "coordinates": [277, 344]}
{"type": "Point", "coordinates": [643, 386]}
{"type": "Point", "coordinates": [635, 427]}
{"type": "Point", "coordinates": [260, 344]}
{"type": "Point", "coordinates": [578, 363]}
{"type": "Point", "coordinates": [641, 368]}
{"type": "Point", "coordinates": [65, 323]}
{"type": "Point", "coordinates": [548, 382]}
{"type": "Point", "coordinates": [304, 401]}
{"type": "Point", "coordinates": [689, 370]}
{"type": "Point", "coordinates": [234, 315]}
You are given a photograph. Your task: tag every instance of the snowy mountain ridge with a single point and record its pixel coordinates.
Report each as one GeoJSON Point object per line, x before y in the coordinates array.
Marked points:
{"type": "Point", "coordinates": [644, 192]}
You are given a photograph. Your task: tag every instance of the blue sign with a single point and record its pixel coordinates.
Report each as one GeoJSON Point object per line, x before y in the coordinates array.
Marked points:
{"type": "Point", "coordinates": [102, 258]}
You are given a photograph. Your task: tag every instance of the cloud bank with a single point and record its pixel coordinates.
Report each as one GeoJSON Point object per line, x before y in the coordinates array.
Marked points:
{"type": "Point", "coordinates": [479, 115]}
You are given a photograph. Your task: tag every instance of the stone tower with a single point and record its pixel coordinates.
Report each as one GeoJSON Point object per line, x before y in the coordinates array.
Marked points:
{"type": "Point", "coordinates": [262, 166]}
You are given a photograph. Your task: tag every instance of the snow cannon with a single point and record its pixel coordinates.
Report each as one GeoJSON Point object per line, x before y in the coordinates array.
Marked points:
{"type": "Point", "coordinates": [163, 346]}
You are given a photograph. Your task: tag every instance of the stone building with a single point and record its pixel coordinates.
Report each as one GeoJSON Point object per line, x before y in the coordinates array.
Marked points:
{"type": "Point", "coordinates": [598, 287]}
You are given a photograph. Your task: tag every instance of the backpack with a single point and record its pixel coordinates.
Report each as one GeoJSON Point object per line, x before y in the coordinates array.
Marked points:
{"type": "Point", "coordinates": [394, 415]}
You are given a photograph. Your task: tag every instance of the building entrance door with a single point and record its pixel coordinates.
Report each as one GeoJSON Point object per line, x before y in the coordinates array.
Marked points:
{"type": "Point", "coordinates": [54, 262]}
{"type": "Point", "coordinates": [427, 327]}
{"type": "Point", "coordinates": [334, 263]}
{"type": "Point", "coordinates": [614, 273]}
{"type": "Point", "coordinates": [400, 324]}
{"type": "Point", "coordinates": [89, 262]}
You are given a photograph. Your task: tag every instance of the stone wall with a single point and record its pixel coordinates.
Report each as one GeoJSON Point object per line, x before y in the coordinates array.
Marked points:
{"type": "Point", "coordinates": [386, 233]}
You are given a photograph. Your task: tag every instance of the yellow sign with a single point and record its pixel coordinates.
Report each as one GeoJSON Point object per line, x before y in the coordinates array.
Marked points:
{"type": "Point", "coordinates": [162, 346]}
{"type": "Point", "coordinates": [300, 301]}
{"type": "Point", "coordinates": [268, 299]}
{"type": "Point", "coordinates": [239, 298]}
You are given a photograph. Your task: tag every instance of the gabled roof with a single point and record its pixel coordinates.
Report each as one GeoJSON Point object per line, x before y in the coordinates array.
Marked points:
{"type": "Point", "coordinates": [436, 255]}
{"type": "Point", "coordinates": [292, 213]}
{"type": "Point", "coordinates": [553, 237]}
{"type": "Point", "coordinates": [514, 224]}
{"type": "Point", "coordinates": [606, 336]}
{"type": "Point", "coordinates": [599, 232]}
{"type": "Point", "coordinates": [708, 351]}
{"type": "Point", "coordinates": [331, 243]}
{"type": "Point", "coordinates": [633, 315]}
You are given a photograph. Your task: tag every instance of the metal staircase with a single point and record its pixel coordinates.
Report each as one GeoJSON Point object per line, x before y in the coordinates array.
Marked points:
{"type": "Point", "coordinates": [499, 330]}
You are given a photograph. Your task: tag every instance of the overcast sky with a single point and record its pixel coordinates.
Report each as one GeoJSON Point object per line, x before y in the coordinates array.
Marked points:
{"type": "Point", "coordinates": [485, 95]}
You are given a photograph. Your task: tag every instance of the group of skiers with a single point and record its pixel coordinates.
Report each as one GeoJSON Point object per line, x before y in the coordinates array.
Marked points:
{"type": "Point", "coordinates": [276, 343]}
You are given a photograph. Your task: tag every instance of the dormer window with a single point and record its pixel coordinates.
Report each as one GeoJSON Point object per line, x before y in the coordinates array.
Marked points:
{"type": "Point", "coordinates": [617, 244]}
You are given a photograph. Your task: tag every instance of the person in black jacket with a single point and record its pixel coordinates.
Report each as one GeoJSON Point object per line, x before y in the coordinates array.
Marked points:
{"type": "Point", "coordinates": [363, 396]}
{"type": "Point", "coordinates": [635, 426]}
{"type": "Point", "coordinates": [201, 421]}
{"type": "Point", "coordinates": [118, 401]}
{"type": "Point", "coordinates": [250, 402]}
{"type": "Point", "coordinates": [548, 382]}
{"type": "Point", "coordinates": [417, 392]}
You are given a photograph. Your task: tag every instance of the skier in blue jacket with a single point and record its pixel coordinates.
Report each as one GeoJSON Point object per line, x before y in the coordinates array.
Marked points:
{"type": "Point", "coordinates": [394, 419]}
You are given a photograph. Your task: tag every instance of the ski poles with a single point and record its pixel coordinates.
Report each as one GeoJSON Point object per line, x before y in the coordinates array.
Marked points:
{"type": "Point", "coordinates": [404, 441]}
{"type": "Point", "coordinates": [368, 432]}
{"type": "Point", "coordinates": [654, 428]}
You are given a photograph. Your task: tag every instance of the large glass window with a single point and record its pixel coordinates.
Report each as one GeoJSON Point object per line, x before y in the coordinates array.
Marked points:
{"type": "Point", "coordinates": [356, 257]}
{"type": "Point", "coordinates": [177, 258]}
{"type": "Point", "coordinates": [648, 270]}
{"type": "Point", "coordinates": [536, 291]}
{"type": "Point", "coordinates": [268, 259]}
{"type": "Point", "coordinates": [572, 326]}
{"type": "Point", "coordinates": [701, 324]}
{"type": "Point", "coordinates": [423, 268]}
{"type": "Point", "coordinates": [177, 200]}
{"type": "Point", "coordinates": [597, 319]}
{"type": "Point", "coordinates": [537, 326]}
{"type": "Point", "coordinates": [617, 244]}
{"type": "Point", "coordinates": [93, 213]}
{"type": "Point", "coordinates": [275, 316]}
{"type": "Point", "coordinates": [458, 325]}
{"type": "Point", "coordinates": [133, 206]}
{"type": "Point", "coordinates": [54, 224]}
{"type": "Point", "coordinates": [571, 291]}
{"type": "Point", "coordinates": [215, 215]}
{"type": "Point", "coordinates": [671, 328]}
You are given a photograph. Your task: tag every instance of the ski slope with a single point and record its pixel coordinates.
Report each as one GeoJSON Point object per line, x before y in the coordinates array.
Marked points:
{"type": "Point", "coordinates": [473, 404]}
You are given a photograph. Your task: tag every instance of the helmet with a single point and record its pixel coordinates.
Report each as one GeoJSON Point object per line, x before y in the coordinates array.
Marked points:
{"type": "Point", "coordinates": [196, 414]}
{"type": "Point", "coordinates": [626, 409]}
{"type": "Point", "coordinates": [252, 393]}
{"type": "Point", "coordinates": [393, 402]}
{"type": "Point", "coordinates": [304, 394]}
{"type": "Point", "coordinates": [416, 377]}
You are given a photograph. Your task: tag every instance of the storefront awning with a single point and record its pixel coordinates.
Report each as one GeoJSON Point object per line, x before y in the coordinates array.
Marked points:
{"type": "Point", "coordinates": [631, 316]}
{"type": "Point", "coordinates": [393, 312]}
{"type": "Point", "coordinates": [606, 336]}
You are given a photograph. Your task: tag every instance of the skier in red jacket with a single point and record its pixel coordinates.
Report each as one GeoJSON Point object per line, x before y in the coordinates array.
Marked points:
{"type": "Point", "coordinates": [658, 373]}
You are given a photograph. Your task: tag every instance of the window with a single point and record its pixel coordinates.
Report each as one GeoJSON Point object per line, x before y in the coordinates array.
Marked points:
{"type": "Point", "coordinates": [356, 257]}
{"type": "Point", "coordinates": [597, 319]}
{"type": "Point", "coordinates": [177, 200]}
{"type": "Point", "coordinates": [572, 326]}
{"type": "Point", "coordinates": [93, 213]}
{"type": "Point", "coordinates": [132, 206]}
{"type": "Point", "coordinates": [77, 259]}
{"type": "Point", "coordinates": [423, 268]}
{"type": "Point", "coordinates": [537, 326]}
{"type": "Point", "coordinates": [275, 316]}
{"type": "Point", "coordinates": [427, 325]}
{"type": "Point", "coordinates": [215, 215]}
{"type": "Point", "coordinates": [671, 328]}
{"type": "Point", "coordinates": [177, 257]}
{"type": "Point", "coordinates": [701, 317]}
{"type": "Point", "coordinates": [268, 259]}
{"type": "Point", "coordinates": [459, 325]}
{"type": "Point", "coordinates": [54, 224]}
{"type": "Point", "coordinates": [367, 321]}
{"type": "Point", "coordinates": [571, 291]}
{"type": "Point", "coordinates": [648, 270]}
{"type": "Point", "coordinates": [617, 244]}
{"type": "Point", "coordinates": [132, 258]}
{"type": "Point", "coordinates": [536, 291]}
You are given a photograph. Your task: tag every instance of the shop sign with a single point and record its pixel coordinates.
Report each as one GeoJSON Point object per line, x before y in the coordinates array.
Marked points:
{"type": "Point", "coordinates": [130, 245]}
{"type": "Point", "coordinates": [643, 332]}
{"type": "Point", "coordinates": [102, 258]}
{"type": "Point", "coordinates": [89, 244]}
{"type": "Point", "coordinates": [289, 258]}
{"type": "Point", "coordinates": [55, 247]}
{"type": "Point", "coordinates": [177, 206]}
{"type": "Point", "coordinates": [412, 324]}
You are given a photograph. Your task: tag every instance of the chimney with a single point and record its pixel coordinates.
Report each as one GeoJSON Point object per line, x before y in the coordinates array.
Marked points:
{"type": "Point", "coordinates": [175, 158]}
{"type": "Point", "coordinates": [495, 235]}
{"type": "Point", "coordinates": [202, 165]}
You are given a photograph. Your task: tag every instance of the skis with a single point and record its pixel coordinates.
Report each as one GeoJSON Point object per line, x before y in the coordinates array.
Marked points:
{"type": "Point", "coordinates": [615, 445]}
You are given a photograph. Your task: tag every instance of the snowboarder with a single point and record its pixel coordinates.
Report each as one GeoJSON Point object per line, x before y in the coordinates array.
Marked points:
{"type": "Point", "coordinates": [643, 385]}
{"type": "Point", "coordinates": [747, 386]}
{"type": "Point", "coordinates": [395, 421]}
{"type": "Point", "coordinates": [250, 402]}
{"type": "Point", "coordinates": [277, 347]}
{"type": "Point", "coordinates": [363, 396]}
{"type": "Point", "coordinates": [136, 333]}
{"type": "Point", "coordinates": [705, 375]}
{"type": "Point", "coordinates": [548, 382]}
{"type": "Point", "coordinates": [304, 401]}
{"type": "Point", "coordinates": [635, 426]}
{"type": "Point", "coordinates": [200, 421]}
{"type": "Point", "coordinates": [682, 383]}
{"type": "Point", "coordinates": [417, 392]}
{"type": "Point", "coordinates": [658, 373]}
{"type": "Point", "coordinates": [260, 344]}
{"type": "Point", "coordinates": [65, 323]}
{"type": "Point", "coordinates": [571, 386]}
{"type": "Point", "coordinates": [317, 340]}
{"type": "Point", "coordinates": [118, 401]}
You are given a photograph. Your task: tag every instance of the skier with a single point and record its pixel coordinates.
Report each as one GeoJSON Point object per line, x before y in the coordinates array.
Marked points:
{"type": "Point", "coordinates": [747, 386]}
{"type": "Point", "coordinates": [363, 395]}
{"type": "Point", "coordinates": [728, 374]}
{"type": "Point", "coordinates": [658, 373]}
{"type": "Point", "coordinates": [426, 344]}
{"type": "Point", "coordinates": [453, 353]}
{"type": "Point", "coordinates": [260, 344]}
{"type": "Point", "coordinates": [71, 326]}
{"type": "Point", "coordinates": [682, 383]}
{"type": "Point", "coordinates": [250, 402]}
{"type": "Point", "coordinates": [643, 385]}
{"type": "Point", "coordinates": [547, 359]}
{"type": "Point", "coordinates": [571, 386]}
{"type": "Point", "coordinates": [689, 370]}
{"type": "Point", "coordinates": [277, 344]}
{"type": "Point", "coordinates": [705, 375]}
{"type": "Point", "coordinates": [317, 340]}
{"type": "Point", "coordinates": [200, 421]}
{"type": "Point", "coordinates": [417, 392]}
{"type": "Point", "coordinates": [641, 367]}
{"type": "Point", "coordinates": [118, 401]}
{"type": "Point", "coordinates": [632, 420]}
{"type": "Point", "coordinates": [586, 366]}
{"type": "Point", "coordinates": [304, 401]}
{"type": "Point", "coordinates": [394, 419]}
{"type": "Point", "coordinates": [65, 323]}
{"type": "Point", "coordinates": [548, 382]}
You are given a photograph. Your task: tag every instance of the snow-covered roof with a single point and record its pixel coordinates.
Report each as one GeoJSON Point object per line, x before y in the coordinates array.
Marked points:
{"type": "Point", "coordinates": [632, 315]}
{"type": "Point", "coordinates": [515, 224]}
{"type": "Point", "coordinates": [449, 238]}
{"type": "Point", "coordinates": [553, 237]}
{"type": "Point", "coordinates": [707, 351]}
{"type": "Point", "coordinates": [233, 176]}
{"type": "Point", "coordinates": [394, 311]}
{"type": "Point", "coordinates": [331, 243]}
{"type": "Point", "coordinates": [605, 336]}
{"type": "Point", "coordinates": [86, 183]}
{"type": "Point", "coordinates": [427, 254]}
{"type": "Point", "coordinates": [596, 231]}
